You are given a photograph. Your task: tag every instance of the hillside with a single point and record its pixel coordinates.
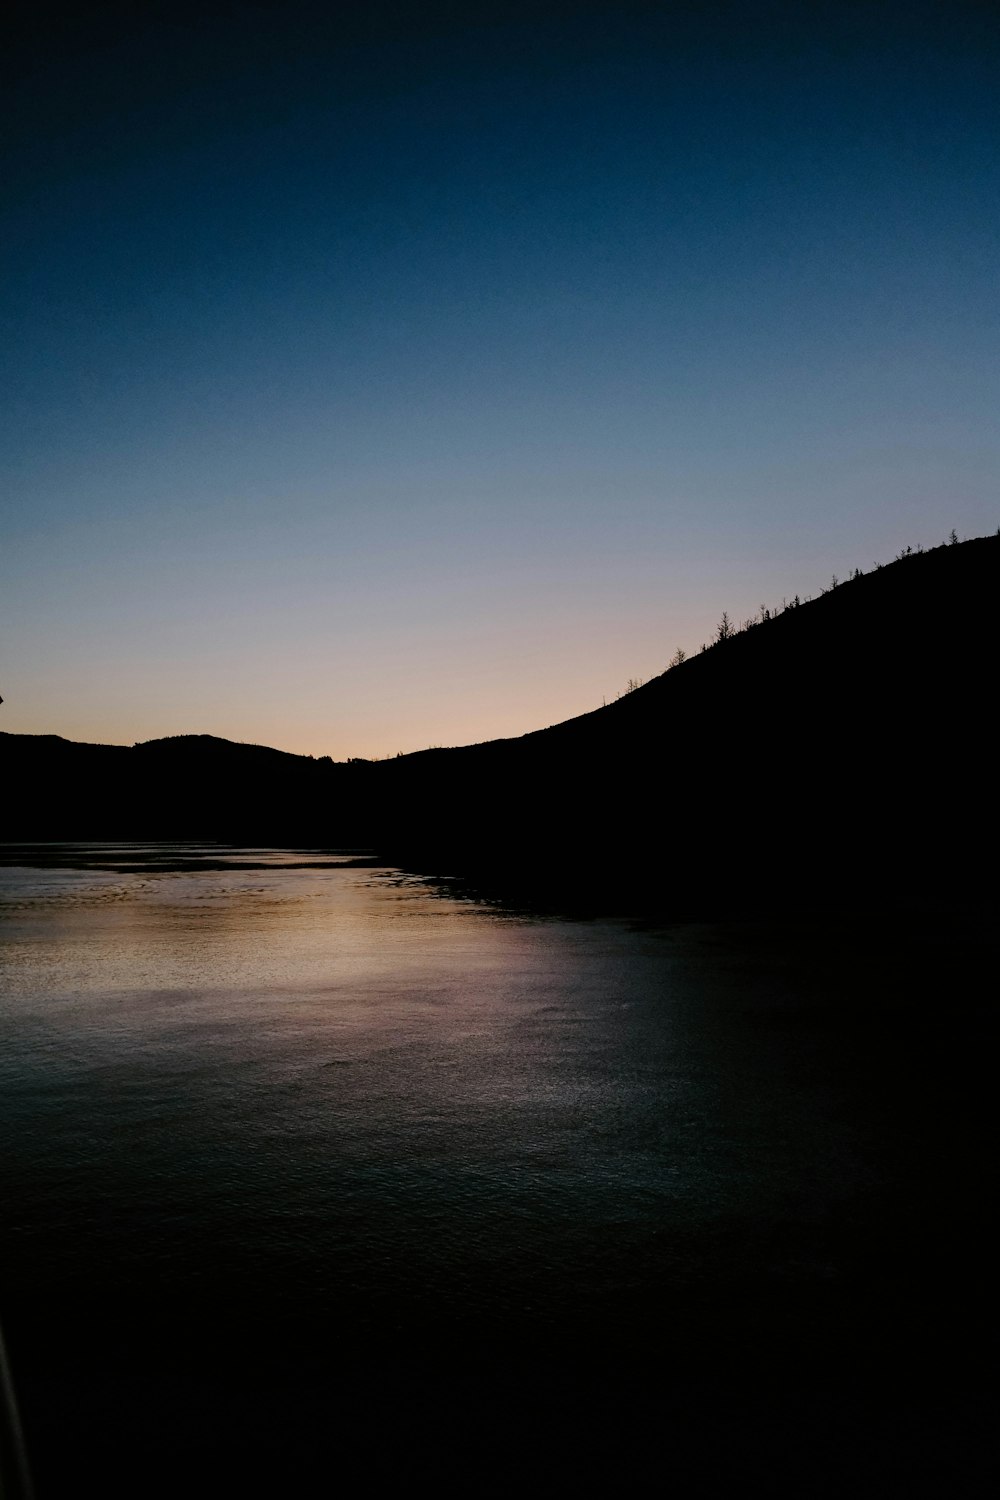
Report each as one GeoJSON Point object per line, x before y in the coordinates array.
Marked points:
{"type": "Point", "coordinates": [842, 748]}
{"type": "Point", "coordinates": [847, 741]}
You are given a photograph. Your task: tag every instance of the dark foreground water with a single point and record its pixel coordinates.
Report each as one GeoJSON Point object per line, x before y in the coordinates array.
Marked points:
{"type": "Point", "coordinates": [318, 1176]}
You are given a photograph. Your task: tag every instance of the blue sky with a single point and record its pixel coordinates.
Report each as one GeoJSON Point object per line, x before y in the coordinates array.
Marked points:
{"type": "Point", "coordinates": [420, 376]}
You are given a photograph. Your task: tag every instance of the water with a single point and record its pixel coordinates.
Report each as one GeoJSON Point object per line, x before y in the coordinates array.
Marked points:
{"type": "Point", "coordinates": [287, 1132]}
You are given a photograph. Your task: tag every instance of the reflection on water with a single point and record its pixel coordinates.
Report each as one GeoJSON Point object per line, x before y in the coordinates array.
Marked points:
{"type": "Point", "coordinates": [321, 1094]}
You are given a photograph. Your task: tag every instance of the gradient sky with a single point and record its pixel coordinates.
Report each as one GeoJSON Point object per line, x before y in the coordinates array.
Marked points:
{"type": "Point", "coordinates": [392, 375]}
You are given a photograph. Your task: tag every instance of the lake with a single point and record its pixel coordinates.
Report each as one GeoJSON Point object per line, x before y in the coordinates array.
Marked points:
{"type": "Point", "coordinates": [310, 1161]}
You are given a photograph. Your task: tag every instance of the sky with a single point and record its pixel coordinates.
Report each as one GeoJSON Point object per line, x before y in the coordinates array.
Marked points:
{"type": "Point", "coordinates": [394, 375]}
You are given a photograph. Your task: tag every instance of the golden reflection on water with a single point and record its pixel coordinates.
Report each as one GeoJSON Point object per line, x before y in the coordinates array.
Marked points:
{"type": "Point", "coordinates": [293, 967]}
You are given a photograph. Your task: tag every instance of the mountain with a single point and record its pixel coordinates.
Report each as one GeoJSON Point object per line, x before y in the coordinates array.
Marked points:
{"type": "Point", "coordinates": [841, 749]}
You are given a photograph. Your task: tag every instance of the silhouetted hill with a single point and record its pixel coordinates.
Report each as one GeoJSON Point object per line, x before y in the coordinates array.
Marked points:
{"type": "Point", "coordinates": [843, 747]}
{"type": "Point", "coordinates": [839, 750]}
{"type": "Point", "coordinates": [186, 786]}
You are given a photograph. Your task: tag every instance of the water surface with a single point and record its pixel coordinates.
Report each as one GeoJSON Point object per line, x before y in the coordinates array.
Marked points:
{"type": "Point", "coordinates": [275, 1120]}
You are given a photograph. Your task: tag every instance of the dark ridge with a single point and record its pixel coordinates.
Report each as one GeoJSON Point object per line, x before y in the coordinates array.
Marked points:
{"type": "Point", "coordinates": [839, 750]}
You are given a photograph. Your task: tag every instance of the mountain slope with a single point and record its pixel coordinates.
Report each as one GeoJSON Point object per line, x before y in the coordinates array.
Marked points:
{"type": "Point", "coordinates": [845, 742]}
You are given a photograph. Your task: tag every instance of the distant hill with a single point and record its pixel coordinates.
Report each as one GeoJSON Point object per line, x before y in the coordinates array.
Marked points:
{"type": "Point", "coordinates": [842, 749]}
